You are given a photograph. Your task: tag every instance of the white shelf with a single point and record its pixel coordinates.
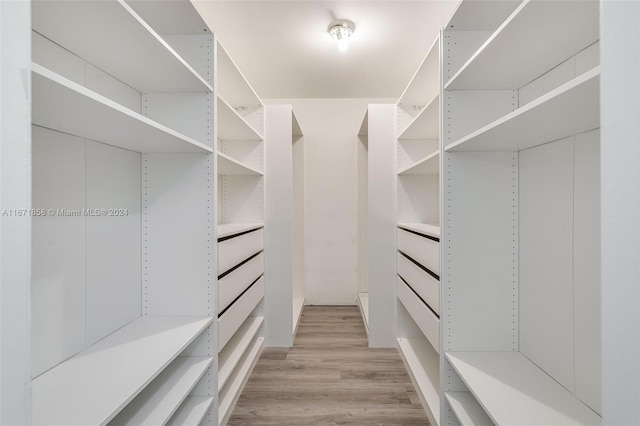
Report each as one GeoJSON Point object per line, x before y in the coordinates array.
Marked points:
{"type": "Point", "coordinates": [513, 390]}
{"type": "Point", "coordinates": [111, 36]}
{"type": "Point", "coordinates": [230, 166]}
{"type": "Point", "coordinates": [542, 120]}
{"type": "Point", "coordinates": [422, 228]}
{"type": "Point", "coordinates": [363, 303]}
{"type": "Point", "coordinates": [231, 392]}
{"type": "Point", "coordinates": [429, 165]}
{"type": "Point", "coordinates": [232, 126]}
{"type": "Point", "coordinates": [63, 105]}
{"type": "Point", "coordinates": [424, 83]}
{"type": "Point", "coordinates": [237, 346]}
{"type": "Point", "coordinates": [423, 364]}
{"type": "Point", "coordinates": [481, 15]}
{"type": "Point", "coordinates": [425, 125]}
{"type": "Point", "coordinates": [192, 411]}
{"type": "Point", "coordinates": [227, 229]}
{"type": "Point", "coordinates": [467, 410]}
{"type": "Point", "coordinates": [162, 397]}
{"type": "Point", "coordinates": [112, 372]}
{"type": "Point", "coordinates": [232, 84]}
{"type": "Point", "coordinates": [504, 60]}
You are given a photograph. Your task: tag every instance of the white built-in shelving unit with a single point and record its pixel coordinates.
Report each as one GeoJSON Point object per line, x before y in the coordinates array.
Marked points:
{"type": "Point", "coordinates": [520, 206]}
{"type": "Point", "coordinates": [284, 224]}
{"type": "Point", "coordinates": [122, 267]}
{"type": "Point", "coordinates": [418, 232]}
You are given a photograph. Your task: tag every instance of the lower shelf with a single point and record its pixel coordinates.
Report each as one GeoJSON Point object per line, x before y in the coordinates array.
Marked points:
{"type": "Point", "coordinates": [363, 303]}
{"type": "Point", "coordinates": [513, 390]}
{"type": "Point", "coordinates": [423, 316]}
{"type": "Point", "coordinates": [192, 411]}
{"type": "Point", "coordinates": [231, 391]}
{"type": "Point", "coordinates": [467, 410]}
{"type": "Point", "coordinates": [231, 355]}
{"type": "Point", "coordinates": [423, 365]}
{"type": "Point", "coordinates": [113, 371]}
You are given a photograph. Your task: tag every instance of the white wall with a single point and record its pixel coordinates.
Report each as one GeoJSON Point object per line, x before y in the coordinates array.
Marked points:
{"type": "Point", "coordinates": [330, 128]}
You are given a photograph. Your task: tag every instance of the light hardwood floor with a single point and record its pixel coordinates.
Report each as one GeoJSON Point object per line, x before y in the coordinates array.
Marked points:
{"type": "Point", "coordinates": [329, 377]}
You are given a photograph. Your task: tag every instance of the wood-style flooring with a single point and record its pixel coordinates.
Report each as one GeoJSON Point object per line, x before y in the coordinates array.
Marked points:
{"type": "Point", "coordinates": [329, 377]}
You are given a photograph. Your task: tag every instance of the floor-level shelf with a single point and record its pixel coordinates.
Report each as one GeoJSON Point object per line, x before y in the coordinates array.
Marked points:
{"type": "Point", "coordinates": [513, 390]}
{"type": "Point", "coordinates": [161, 398]}
{"type": "Point", "coordinates": [230, 166]}
{"type": "Point", "coordinates": [504, 60]}
{"type": "Point", "coordinates": [467, 410]}
{"type": "Point", "coordinates": [521, 128]}
{"type": "Point", "coordinates": [231, 355]}
{"type": "Point", "coordinates": [61, 104]}
{"type": "Point", "coordinates": [128, 360]}
{"type": "Point", "coordinates": [192, 411]}
{"type": "Point", "coordinates": [363, 304]}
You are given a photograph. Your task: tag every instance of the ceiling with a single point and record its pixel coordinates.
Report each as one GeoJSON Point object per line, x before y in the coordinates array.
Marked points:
{"type": "Point", "coordinates": [284, 50]}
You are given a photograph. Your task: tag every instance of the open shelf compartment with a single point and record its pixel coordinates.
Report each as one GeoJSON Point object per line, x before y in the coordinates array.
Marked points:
{"type": "Point", "coordinates": [192, 411]}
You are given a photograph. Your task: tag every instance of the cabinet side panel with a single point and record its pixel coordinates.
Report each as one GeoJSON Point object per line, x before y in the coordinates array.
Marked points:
{"type": "Point", "coordinates": [58, 270]}
{"type": "Point", "coordinates": [586, 269]}
{"type": "Point", "coordinates": [113, 239]}
{"type": "Point", "coordinates": [546, 258]}
{"type": "Point", "coordinates": [178, 234]}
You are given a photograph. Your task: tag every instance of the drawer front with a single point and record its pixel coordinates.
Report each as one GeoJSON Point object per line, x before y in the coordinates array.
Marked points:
{"type": "Point", "coordinates": [426, 320]}
{"type": "Point", "coordinates": [424, 284]}
{"type": "Point", "coordinates": [421, 249]}
{"type": "Point", "coordinates": [231, 320]}
{"type": "Point", "coordinates": [235, 282]}
{"type": "Point", "coordinates": [236, 249]}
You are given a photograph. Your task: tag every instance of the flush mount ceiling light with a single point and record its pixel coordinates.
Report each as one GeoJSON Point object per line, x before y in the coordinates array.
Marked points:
{"type": "Point", "coordinates": [341, 31]}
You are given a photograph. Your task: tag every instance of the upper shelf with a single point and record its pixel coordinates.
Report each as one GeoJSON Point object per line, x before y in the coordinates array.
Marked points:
{"type": "Point", "coordinates": [61, 104]}
{"type": "Point", "coordinates": [230, 166]}
{"type": "Point", "coordinates": [513, 390]}
{"type": "Point", "coordinates": [521, 128]}
{"type": "Point", "coordinates": [429, 165]}
{"type": "Point", "coordinates": [423, 86]}
{"type": "Point", "coordinates": [108, 375]}
{"type": "Point", "coordinates": [481, 15]}
{"type": "Point", "coordinates": [425, 125]}
{"type": "Point", "coordinates": [506, 59]}
{"type": "Point", "coordinates": [228, 229]}
{"type": "Point", "coordinates": [112, 36]}
{"type": "Point", "coordinates": [232, 84]}
{"type": "Point", "coordinates": [232, 126]}
{"type": "Point", "coordinates": [422, 228]}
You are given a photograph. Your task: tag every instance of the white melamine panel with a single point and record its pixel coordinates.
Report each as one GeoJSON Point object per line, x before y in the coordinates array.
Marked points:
{"type": "Point", "coordinates": [298, 247]}
{"type": "Point", "coordinates": [249, 152]}
{"type": "Point", "coordinates": [586, 270]}
{"type": "Point", "coordinates": [423, 250]}
{"type": "Point", "coordinates": [178, 230]}
{"type": "Point", "coordinates": [425, 166]}
{"type": "Point", "coordinates": [479, 285]}
{"type": "Point", "coordinates": [424, 84]}
{"type": "Point", "coordinates": [112, 372]}
{"type": "Point", "coordinates": [424, 318]}
{"type": "Point", "coordinates": [548, 81]}
{"type": "Point", "coordinates": [546, 258]}
{"type": "Point", "coordinates": [231, 125]}
{"type": "Point", "coordinates": [418, 198]}
{"type": "Point", "coordinates": [63, 105]}
{"type": "Point", "coordinates": [58, 272]}
{"type": "Point", "coordinates": [504, 61]}
{"type": "Point", "coordinates": [195, 44]}
{"type": "Point", "coordinates": [192, 411]}
{"type": "Point", "coordinates": [467, 410]}
{"type": "Point", "coordinates": [514, 391]}
{"type": "Point", "coordinates": [423, 365]}
{"type": "Point", "coordinates": [233, 318]}
{"type": "Point", "coordinates": [56, 58]}
{"type": "Point", "coordinates": [232, 85]}
{"type": "Point", "coordinates": [411, 151]}
{"type": "Point", "coordinates": [231, 392]}
{"type": "Point", "coordinates": [241, 198]}
{"type": "Point", "coordinates": [459, 45]}
{"type": "Point", "coordinates": [190, 114]}
{"type": "Point", "coordinates": [427, 287]}
{"type": "Point", "coordinates": [422, 228]}
{"type": "Point", "coordinates": [588, 58]}
{"type": "Point", "coordinates": [106, 85]}
{"type": "Point", "coordinates": [426, 124]}
{"type": "Point", "coordinates": [113, 239]}
{"type": "Point", "coordinates": [470, 110]}
{"type": "Point", "coordinates": [363, 211]}
{"type": "Point", "coordinates": [228, 229]}
{"type": "Point", "coordinates": [230, 166]}
{"type": "Point", "coordinates": [481, 14]}
{"type": "Point", "coordinates": [110, 35]}
{"type": "Point", "coordinates": [231, 355]}
{"type": "Point", "coordinates": [521, 129]}
{"type": "Point", "coordinates": [235, 282]}
{"type": "Point", "coordinates": [232, 251]}
{"type": "Point", "coordinates": [162, 397]}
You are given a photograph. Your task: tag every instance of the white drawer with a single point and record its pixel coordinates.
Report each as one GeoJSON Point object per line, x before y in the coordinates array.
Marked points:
{"type": "Point", "coordinates": [424, 284]}
{"type": "Point", "coordinates": [231, 320]}
{"type": "Point", "coordinates": [234, 250]}
{"type": "Point", "coordinates": [420, 248]}
{"type": "Point", "coordinates": [235, 282]}
{"type": "Point", "coordinates": [426, 320]}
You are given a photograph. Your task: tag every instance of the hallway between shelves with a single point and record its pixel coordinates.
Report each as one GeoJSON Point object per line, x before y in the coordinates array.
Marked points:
{"type": "Point", "coordinates": [329, 376]}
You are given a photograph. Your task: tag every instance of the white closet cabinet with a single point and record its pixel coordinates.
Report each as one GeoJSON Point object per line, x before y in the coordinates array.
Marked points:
{"type": "Point", "coordinates": [418, 229]}
{"type": "Point", "coordinates": [376, 206]}
{"type": "Point", "coordinates": [122, 263]}
{"type": "Point", "coordinates": [520, 274]}
{"type": "Point", "coordinates": [284, 225]}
